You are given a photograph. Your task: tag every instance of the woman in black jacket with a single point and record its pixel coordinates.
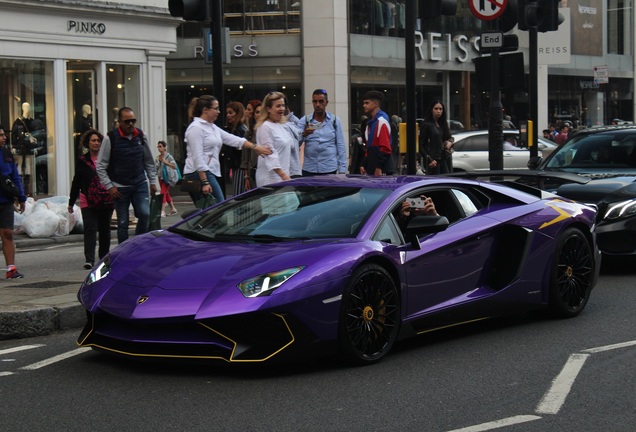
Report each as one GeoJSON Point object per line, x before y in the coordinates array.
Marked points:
{"type": "Point", "coordinates": [436, 140]}
{"type": "Point", "coordinates": [95, 202]}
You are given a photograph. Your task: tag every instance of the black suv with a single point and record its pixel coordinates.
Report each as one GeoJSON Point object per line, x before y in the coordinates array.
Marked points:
{"type": "Point", "coordinates": [604, 161]}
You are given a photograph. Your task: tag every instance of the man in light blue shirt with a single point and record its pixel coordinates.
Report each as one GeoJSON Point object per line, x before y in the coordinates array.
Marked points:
{"type": "Point", "coordinates": [322, 140]}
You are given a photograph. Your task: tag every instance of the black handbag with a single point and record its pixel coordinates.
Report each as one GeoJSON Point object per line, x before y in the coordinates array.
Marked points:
{"type": "Point", "coordinates": [8, 187]}
{"type": "Point", "coordinates": [191, 186]}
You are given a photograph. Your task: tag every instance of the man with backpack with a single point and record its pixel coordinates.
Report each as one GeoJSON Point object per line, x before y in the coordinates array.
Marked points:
{"type": "Point", "coordinates": [123, 163]}
{"type": "Point", "coordinates": [10, 190]}
{"type": "Point", "coordinates": [323, 149]}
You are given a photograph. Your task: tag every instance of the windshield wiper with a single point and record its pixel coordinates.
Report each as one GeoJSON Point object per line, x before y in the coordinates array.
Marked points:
{"type": "Point", "coordinates": [190, 234]}
{"type": "Point", "coordinates": [262, 238]}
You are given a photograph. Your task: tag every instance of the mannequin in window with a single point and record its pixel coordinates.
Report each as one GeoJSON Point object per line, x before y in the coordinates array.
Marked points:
{"type": "Point", "coordinates": [115, 123]}
{"type": "Point", "coordinates": [22, 141]}
{"type": "Point", "coordinates": [86, 121]}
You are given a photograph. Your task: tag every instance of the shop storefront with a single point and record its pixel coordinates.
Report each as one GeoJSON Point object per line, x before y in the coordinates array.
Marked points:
{"type": "Point", "coordinates": [355, 46]}
{"type": "Point", "coordinates": [68, 66]}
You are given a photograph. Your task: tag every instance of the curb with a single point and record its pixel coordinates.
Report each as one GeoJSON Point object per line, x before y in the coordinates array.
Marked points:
{"type": "Point", "coordinates": [18, 322]}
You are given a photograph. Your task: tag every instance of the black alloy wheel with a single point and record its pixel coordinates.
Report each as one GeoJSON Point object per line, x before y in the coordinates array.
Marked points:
{"type": "Point", "coordinates": [572, 274]}
{"type": "Point", "coordinates": [369, 315]}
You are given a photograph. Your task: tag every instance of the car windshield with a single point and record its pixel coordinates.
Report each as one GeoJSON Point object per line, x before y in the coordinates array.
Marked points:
{"type": "Point", "coordinates": [597, 153]}
{"type": "Point", "coordinates": [285, 213]}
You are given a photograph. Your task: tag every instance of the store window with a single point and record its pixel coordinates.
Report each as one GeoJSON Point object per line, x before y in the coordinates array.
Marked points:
{"type": "Point", "coordinates": [122, 90]}
{"type": "Point", "coordinates": [388, 18]}
{"type": "Point", "coordinates": [262, 16]}
{"type": "Point", "coordinates": [26, 114]}
{"type": "Point", "coordinates": [619, 27]}
{"type": "Point", "coordinates": [81, 97]}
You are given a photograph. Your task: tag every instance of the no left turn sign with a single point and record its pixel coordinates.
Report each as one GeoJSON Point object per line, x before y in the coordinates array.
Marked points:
{"type": "Point", "coordinates": [487, 9]}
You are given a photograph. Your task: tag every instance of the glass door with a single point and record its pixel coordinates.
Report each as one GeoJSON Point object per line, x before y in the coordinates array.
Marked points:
{"type": "Point", "coordinates": [81, 108]}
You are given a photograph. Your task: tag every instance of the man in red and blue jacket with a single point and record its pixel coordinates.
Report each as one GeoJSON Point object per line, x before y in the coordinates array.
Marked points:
{"type": "Point", "coordinates": [378, 135]}
{"type": "Point", "coordinates": [9, 170]}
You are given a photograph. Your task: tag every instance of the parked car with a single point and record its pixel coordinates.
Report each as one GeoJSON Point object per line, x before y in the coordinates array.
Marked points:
{"type": "Point", "coordinates": [471, 151]}
{"type": "Point", "coordinates": [318, 264]}
{"type": "Point", "coordinates": [604, 159]}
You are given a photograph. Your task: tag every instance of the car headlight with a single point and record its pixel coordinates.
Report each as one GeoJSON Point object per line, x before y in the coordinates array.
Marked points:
{"type": "Point", "coordinates": [266, 283]}
{"type": "Point", "coordinates": [99, 272]}
{"type": "Point", "coordinates": [621, 209]}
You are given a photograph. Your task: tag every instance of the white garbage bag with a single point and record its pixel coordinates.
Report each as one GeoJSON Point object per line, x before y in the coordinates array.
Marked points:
{"type": "Point", "coordinates": [49, 217]}
{"type": "Point", "coordinates": [42, 223]}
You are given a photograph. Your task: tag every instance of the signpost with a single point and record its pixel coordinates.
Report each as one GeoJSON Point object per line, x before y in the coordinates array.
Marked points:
{"type": "Point", "coordinates": [601, 74]}
{"type": "Point", "coordinates": [490, 10]}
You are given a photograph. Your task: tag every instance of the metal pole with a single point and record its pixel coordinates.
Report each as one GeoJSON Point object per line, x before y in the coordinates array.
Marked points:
{"type": "Point", "coordinates": [216, 26]}
{"type": "Point", "coordinates": [411, 106]}
{"type": "Point", "coordinates": [495, 122]}
{"type": "Point", "coordinates": [533, 91]}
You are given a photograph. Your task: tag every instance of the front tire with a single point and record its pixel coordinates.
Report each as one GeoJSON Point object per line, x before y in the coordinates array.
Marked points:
{"type": "Point", "coordinates": [572, 274]}
{"type": "Point", "coordinates": [369, 315]}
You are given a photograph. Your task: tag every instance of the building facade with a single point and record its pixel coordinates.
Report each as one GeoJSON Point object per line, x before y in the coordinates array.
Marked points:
{"type": "Point", "coordinates": [67, 65]}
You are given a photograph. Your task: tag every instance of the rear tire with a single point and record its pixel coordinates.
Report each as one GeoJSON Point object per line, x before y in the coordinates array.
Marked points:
{"type": "Point", "coordinates": [572, 274]}
{"type": "Point", "coordinates": [369, 316]}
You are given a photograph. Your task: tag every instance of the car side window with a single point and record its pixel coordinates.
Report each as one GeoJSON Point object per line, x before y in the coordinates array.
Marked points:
{"type": "Point", "coordinates": [468, 205]}
{"type": "Point", "coordinates": [475, 143]}
{"type": "Point", "coordinates": [388, 232]}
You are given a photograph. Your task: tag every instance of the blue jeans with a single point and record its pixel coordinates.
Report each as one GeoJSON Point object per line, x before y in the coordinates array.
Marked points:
{"type": "Point", "coordinates": [217, 192]}
{"type": "Point", "coordinates": [138, 196]}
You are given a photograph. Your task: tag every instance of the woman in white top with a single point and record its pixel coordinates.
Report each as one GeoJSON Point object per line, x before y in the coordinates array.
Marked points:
{"type": "Point", "coordinates": [272, 133]}
{"type": "Point", "coordinates": [204, 140]}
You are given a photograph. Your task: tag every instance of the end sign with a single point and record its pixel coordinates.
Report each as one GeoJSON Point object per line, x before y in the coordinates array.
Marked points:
{"type": "Point", "coordinates": [491, 40]}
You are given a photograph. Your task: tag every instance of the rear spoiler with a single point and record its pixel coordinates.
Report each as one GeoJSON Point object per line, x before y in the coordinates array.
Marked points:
{"type": "Point", "coordinates": [529, 181]}
{"type": "Point", "coordinates": [539, 176]}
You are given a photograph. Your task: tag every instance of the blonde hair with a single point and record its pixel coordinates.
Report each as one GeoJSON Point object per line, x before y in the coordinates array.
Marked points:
{"type": "Point", "coordinates": [268, 102]}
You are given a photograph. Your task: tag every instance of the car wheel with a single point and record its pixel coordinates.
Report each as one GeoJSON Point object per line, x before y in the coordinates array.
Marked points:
{"type": "Point", "coordinates": [572, 274]}
{"type": "Point", "coordinates": [369, 315]}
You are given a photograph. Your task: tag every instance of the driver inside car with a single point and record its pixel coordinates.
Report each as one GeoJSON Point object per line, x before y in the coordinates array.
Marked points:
{"type": "Point", "coordinates": [405, 212]}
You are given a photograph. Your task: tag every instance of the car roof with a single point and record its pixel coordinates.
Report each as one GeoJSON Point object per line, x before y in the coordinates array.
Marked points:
{"type": "Point", "coordinates": [374, 182]}
{"type": "Point", "coordinates": [469, 133]}
{"type": "Point", "coordinates": [609, 128]}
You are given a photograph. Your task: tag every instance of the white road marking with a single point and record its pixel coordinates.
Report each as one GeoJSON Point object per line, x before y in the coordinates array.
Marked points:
{"type": "Point", "coordinates": [609, 347]}
{"type": "Point", "coordinates": [554, 399]}
{"type": "Point", "coordinates": [19, 348]}
{"type": "Point", "coordinates": [5, 374]}
{"type": "Point", "coordinates": [498, 423]}
{"type": "Point", "coordinates": [55, 359]}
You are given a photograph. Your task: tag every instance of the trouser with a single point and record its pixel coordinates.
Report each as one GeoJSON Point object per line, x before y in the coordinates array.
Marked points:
{"type": "Point", "coordinates": [139, 197]}
{"type": "Point", "coordinates": [217, 192]}
{"type": "Point", "coordinates": [96, 221]}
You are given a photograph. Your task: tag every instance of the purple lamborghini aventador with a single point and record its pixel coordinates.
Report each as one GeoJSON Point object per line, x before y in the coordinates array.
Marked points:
{"type": "Point", "coordinates": [322, 264]}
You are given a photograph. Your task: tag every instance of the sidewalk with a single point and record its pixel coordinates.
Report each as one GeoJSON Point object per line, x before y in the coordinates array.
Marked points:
{"type": "Point", "coordinates": [37, 306]}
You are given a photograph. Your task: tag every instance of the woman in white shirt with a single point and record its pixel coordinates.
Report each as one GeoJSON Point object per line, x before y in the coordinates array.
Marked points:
{"type": "Point", "coordinates": [204, 140]}
{"type": "Point", "coordinates": [272, 133]}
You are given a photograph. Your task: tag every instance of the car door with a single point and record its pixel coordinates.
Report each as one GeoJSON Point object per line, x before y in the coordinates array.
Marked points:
{"type": "Point", "coordinates": [450, 265]}
{"type": "Point", "coordinates": [471, 153]}
{"type": "Point", "coordinates": [517, 158]}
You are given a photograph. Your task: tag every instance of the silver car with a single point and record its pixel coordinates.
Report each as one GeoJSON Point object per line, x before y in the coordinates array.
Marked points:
{"type": "Point", "coordinates": [471, 150]}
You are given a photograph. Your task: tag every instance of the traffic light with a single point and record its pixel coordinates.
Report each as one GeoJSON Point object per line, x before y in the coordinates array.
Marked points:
{"type": "Point", "coordinates": [550, 19]}
{"type": "Point", "coordinates": [190, 10]}
{"type": "Point", "coordinates": [437, 8]}
{"type": "Point", "coordinates": [508, 20]}
{"type": "Point", "coordinates": [542, 14]}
